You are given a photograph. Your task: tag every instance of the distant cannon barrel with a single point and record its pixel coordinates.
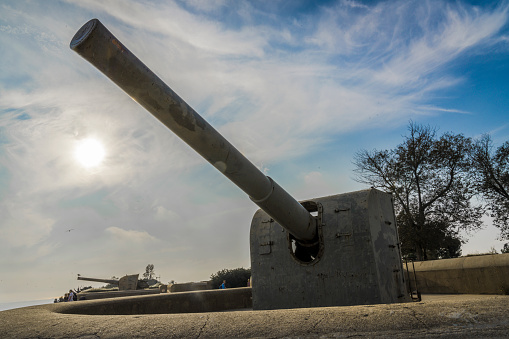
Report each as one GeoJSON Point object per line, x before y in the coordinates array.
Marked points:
{"type": "Point", "coordinates": [97, 45]}
{"type": "Point", "coordinates": [107, 281]}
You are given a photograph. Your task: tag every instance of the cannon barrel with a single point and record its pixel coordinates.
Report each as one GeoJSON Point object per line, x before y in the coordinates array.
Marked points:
{"type": "Point", "coordinates": [107, 281]}
{"type": "Point", "coordinates": [97, 45]}
{"type": "Point", "coordinates": [127, 282]}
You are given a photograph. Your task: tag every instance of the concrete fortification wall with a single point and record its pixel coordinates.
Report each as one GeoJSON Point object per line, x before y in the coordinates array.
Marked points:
{"type": "Point", "coordinates": [191, 286]}
{"type": "Point", "coordinates": [165, 303]}
{"type": "Point", "coordinates": [486, 274]}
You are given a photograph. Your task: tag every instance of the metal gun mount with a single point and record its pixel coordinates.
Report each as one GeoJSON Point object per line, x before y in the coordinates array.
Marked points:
{"type": "Point", "coordinates": [338, 250]}
{"type": "Point", "coordinates": [127, 282]}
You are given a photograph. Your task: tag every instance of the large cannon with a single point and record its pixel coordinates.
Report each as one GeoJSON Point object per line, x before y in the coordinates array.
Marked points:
{"type": "Point", "coordinates": [337, 250]}
{"type": "Point", "coordinates": [127, 282]}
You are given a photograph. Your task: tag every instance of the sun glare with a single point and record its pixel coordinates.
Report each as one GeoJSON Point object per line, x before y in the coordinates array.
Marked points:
{"type": "Point", "coordinates": [89, 152]}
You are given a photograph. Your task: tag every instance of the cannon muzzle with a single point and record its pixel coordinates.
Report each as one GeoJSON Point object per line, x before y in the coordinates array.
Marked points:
{"type": "Point", "coordinates": [103, 50]}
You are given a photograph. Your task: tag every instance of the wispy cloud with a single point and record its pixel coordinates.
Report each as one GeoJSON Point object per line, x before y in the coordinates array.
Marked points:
{"type": "Point", "coordinates": [23, 227]}
{"type": "Point", "coordinates": [440, 109]}
{"type": "Point", "coordinates": [130, 237]}
{"type": "Point", "coordinates": [279, 84]}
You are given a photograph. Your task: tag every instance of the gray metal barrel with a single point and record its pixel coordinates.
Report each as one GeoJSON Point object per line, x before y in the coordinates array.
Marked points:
{"type": "Point", "coordinates": [98, 46]}
{"type": "Point", "coordinates": [107, 281]}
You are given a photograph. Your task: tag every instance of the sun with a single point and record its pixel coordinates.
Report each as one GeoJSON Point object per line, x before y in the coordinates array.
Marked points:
{"type": "Point", "coordinates": [89, 152]}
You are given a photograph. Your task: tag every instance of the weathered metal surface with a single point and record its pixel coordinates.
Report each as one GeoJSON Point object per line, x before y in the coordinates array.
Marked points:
{"type": "Point", "coordinates": [129, 282]}
{"type": "Point", "coordinates": [103, 50]}
{"type": "Point", "coordinates": [358, 260]}
{"type": "Point", "coordinates": [106, 281]}
{"type": "Point", "coordinates": [126, 283]}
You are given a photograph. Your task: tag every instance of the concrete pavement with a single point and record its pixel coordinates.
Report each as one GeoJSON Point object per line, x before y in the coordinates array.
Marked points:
{"type": "Point", "coordinates": [447, 316]}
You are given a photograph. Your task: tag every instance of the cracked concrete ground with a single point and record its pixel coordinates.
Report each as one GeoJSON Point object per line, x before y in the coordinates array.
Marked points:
{"type": "Point", "coordinates": [446, 316]}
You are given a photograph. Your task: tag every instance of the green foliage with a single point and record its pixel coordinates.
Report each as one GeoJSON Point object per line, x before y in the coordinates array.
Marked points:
{"type": "Point", "coordinates": [505, 249]}
{"type": "Point", "coordinates": [234, 278]}
{"type": "Point", "coordinates": [429, 177]}
{"type": "Point", "coordinates": [441, 242]}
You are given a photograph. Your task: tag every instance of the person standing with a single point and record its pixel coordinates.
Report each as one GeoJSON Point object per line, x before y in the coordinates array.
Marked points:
{"type": "Point", "coordinates": [223, 285]}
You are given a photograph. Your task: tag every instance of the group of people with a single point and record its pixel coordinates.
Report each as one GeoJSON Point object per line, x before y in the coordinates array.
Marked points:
{"type": "Point", "coordinates": [71, 296]}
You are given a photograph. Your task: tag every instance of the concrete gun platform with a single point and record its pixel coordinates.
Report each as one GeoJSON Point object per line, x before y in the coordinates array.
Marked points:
{"type": "Point", "coordinates": [445, 316]}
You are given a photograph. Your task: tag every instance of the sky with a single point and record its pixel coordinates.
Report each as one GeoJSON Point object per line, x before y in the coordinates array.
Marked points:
{"type": "Point", "coordinates": [92, 184]}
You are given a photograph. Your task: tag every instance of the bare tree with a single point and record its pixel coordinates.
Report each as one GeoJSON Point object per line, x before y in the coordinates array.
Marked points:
{"type": "Point", "coordinates": [491, 173]}
{"type": "Point", "coordinates": [428, 177]}
{"type": "Point", "coordinates": [149, 272]}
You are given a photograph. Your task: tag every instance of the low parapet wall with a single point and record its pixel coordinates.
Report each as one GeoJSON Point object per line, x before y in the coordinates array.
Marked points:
{"type": "Point", "coordinates": [115, 294]}
{"type": "Point", "coordinates": [486, 274]}
{"type": "Point", "coordinates": [183, 302]}
{"type": "Point", "coordinates": [191, 286]}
